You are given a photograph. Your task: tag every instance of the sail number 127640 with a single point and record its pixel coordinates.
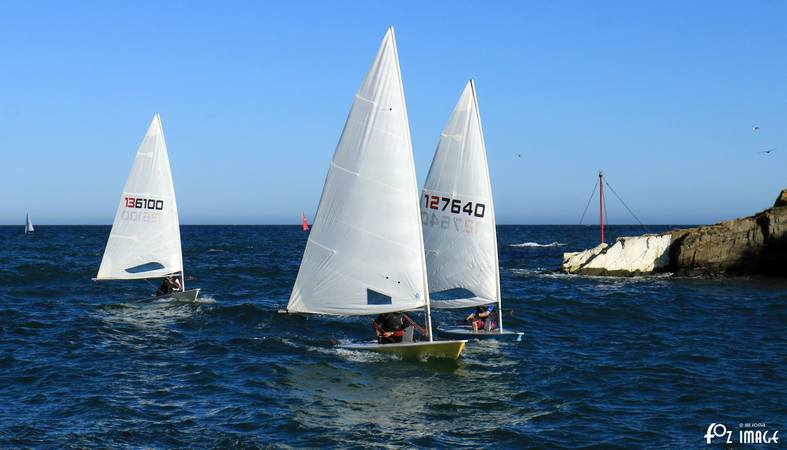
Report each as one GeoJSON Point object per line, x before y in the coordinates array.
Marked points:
{"type": "Point", "coordinates": [455, 206]}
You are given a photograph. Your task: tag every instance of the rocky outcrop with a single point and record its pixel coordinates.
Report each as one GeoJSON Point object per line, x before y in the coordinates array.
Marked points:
{"type": "Point", "coordinates": [628, 256]}
{"type": "Point", "coordinates": [755, 245]}
{"type": "Point", "coordinates": [573, 262]}
{"type": "Point", "coordinates": [782, 199]}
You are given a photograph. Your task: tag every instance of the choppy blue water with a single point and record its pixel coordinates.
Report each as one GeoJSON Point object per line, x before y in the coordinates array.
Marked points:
{"type": "Point", "coordinates": [605, 363]}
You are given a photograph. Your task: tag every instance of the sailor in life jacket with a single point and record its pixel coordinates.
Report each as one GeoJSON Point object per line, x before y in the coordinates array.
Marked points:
{"type": "Point", "coordinates": [170, 285]}
{"type": "Point", "coordinates": [389, 327]}
{"type": "Point", "coordinates": [480, 316]}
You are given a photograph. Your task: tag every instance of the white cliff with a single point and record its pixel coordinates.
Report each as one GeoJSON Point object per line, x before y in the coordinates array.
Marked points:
{"type": "Point", "coordinates": [627, 256]}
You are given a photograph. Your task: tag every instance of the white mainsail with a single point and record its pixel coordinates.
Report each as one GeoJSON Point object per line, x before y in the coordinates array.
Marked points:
{"type": "Point", "coordinates": [145, 237]}
{"type": "Point", "coordinates": [457, 214]}
{"type": "Point", "coordinates": [28, 224]}
{"type": "Point", "coordinates": [365, 254]}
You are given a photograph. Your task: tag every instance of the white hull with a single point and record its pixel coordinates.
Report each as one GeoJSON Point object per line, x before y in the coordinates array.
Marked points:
{"type": "Point", "coordinates": [185, 296]}
{"type": "Point", "coordinates": [413, 350]}
{"type": "Point", "coordinates": [466, 332]}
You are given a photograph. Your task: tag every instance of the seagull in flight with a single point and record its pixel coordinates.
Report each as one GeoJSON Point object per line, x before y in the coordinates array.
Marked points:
{"type": "Point", "coordinates": [768, 152]}
{"type": "Point", "coordinates": [755, 128]}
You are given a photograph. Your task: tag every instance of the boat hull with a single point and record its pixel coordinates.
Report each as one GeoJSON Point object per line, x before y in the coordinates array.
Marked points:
{"type": "Point", "coordinates": [185, 296]}
{"type": "Point", "coordinates": [466, 332]}
{"type": "Point", "coordinates": [414, 350]}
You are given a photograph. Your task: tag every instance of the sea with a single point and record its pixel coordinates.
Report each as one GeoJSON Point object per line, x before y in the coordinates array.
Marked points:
{"type": "Point", "coordinates": [605, 363]}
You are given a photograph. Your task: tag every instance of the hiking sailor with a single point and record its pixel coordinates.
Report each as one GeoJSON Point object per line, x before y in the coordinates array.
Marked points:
{"type": "Point", "coordinates": [481, 316]}
{"type": "Point", "coordinates": [170, 285]}
{"type": "Point", "coordinates": [389, 327]}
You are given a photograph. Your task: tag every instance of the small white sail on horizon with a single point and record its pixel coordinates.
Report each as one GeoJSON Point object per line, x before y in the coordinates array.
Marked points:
{"type": "Point", "coordinates": [28, 224]}
{"type": "Point", "coordinates": [458, 217]}
{"type": "Point", "coordinates": [145, 237]}
{"type": "Point", "coordinates": [364, 253]}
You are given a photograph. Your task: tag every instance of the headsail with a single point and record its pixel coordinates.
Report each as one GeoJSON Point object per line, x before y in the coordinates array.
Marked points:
{"type": "Point", "coordinates": [458, 218]}
{"type": "Point", "coordinates": [28, 224]}
{"type": "Point", "coordinates": [145, 237]}
{"type": "Point", "coordinates": [365, 251]}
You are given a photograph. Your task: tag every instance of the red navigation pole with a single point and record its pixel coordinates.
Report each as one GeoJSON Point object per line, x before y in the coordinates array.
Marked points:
{"type": "Point", "coordinates": [601, 202]}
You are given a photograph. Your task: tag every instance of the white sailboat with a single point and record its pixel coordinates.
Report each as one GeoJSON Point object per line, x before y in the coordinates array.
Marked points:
{"type": "Point", "coordinates": [458, 220]}
{"type": "Point", "coordinates": [145, 239]}
{"type": "Point", "coordinates": [29, 224]}
{"type": "Point", "coordinates": [364, 255]}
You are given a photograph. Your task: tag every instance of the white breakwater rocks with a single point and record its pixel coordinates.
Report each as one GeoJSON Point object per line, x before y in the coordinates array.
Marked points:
{"type": "Point", "coordinates": [628, 256]}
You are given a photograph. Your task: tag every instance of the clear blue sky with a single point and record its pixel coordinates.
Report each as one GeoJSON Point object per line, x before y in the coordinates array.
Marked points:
{"type": "Point", "coordinates": [253, 96]}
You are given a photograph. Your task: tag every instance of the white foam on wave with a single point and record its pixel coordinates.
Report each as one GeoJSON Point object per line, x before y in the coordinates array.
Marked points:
{"type": "Point", "coordinates": [205, 299]}
{"type": "Point", "coordinates": [345, 353]}
{"type": "Point", "coordinates": [536, 244]}
{"type": "Point", "coordinates": [361, 356]}
{"type": "Point", "coordinates": [556, 274]}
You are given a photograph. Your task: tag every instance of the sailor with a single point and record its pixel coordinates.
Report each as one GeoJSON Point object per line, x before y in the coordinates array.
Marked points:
{"type": "Point", "coordinates": [480, 316]}
{"type": "Point", "coordinates": [389, 327]}
{"type": "Point", "coordinates": [170, 285]}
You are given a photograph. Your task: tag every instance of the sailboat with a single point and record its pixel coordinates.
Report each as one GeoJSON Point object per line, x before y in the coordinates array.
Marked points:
{"type": "Point", "coordinates": [28, 224]}
{"type": "Point", "coordinates": [145, 239]}
{"type": "Point", "coordinates": [304, 222]}
{"type": "Point", "coordinates": [458, 220]}
{"type": "Point", "coordinates": [364, 254]}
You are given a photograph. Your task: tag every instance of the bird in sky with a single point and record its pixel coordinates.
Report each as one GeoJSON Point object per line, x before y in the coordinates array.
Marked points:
{"type": "Point", "coordinates": [519, 155]}
{"type": "Point", "coordinates": [768, 152]}
{"type": "Point", "coordinates": [755, 128]}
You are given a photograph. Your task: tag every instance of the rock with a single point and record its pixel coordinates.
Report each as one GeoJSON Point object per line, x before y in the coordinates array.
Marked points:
{"type": "Point", "coordinates": [782, 199]}
{"type": "Point", "coordinates": [574, 261]}
{"type": "Point", "coordinates": [755, 245]}
{"type": "Point", "coordinates": [626, 257]}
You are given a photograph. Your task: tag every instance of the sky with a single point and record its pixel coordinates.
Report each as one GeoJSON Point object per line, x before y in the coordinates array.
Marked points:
{"type": "Point", "coordinates": [662, 96]}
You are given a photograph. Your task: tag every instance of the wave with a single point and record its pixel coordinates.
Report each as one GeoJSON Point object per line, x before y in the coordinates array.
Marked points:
{"type": "Point", "coordinates": [536, 244]}
{"type": "Point", "coordinates": [558, 274]}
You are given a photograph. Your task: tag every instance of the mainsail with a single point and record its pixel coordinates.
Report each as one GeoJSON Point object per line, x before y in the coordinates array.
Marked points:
{"type": "Point", "coordinates": [458, 218]}
{"type": "Point", "coordinates": [364, 254]}
{"type": "Point", "coordinates": [28, 224]}
{"type": "Point", "coordinates": [145, 237]}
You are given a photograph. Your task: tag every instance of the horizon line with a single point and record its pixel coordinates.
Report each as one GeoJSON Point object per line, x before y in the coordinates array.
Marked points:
{"type": "Point", "coordinates": [298, 224]}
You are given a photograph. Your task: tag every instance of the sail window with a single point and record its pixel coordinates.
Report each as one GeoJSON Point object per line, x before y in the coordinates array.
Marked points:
{"type": "Point", "coordinates": [452, 294]}
{"type": "Point", "coordinates": [147, 267]}
{"type": "Point", "coordinates": [376, 298]}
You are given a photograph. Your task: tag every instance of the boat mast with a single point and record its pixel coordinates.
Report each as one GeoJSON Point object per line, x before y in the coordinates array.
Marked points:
{"type": "Point", "coordinates": [157, 117]}
{"type": "Point", "coordinates": [601, 202]}
{"type": "Point", "coordinates": [427, 308]}
{"type": "Point", "coordinates": [494, 227]}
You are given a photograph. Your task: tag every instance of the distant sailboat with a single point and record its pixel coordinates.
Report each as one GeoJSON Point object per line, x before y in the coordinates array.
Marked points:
{"type": "Point", "coordinates": [304, 222]}
{"type": "Point", "coordinates": [145, 239]}
{"type": "Point", "coordinates": [352, 266]}
{"type": "Point", "coordinates": [458, 218]}
{"type": "Point", "coordinates": [29, 224]}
